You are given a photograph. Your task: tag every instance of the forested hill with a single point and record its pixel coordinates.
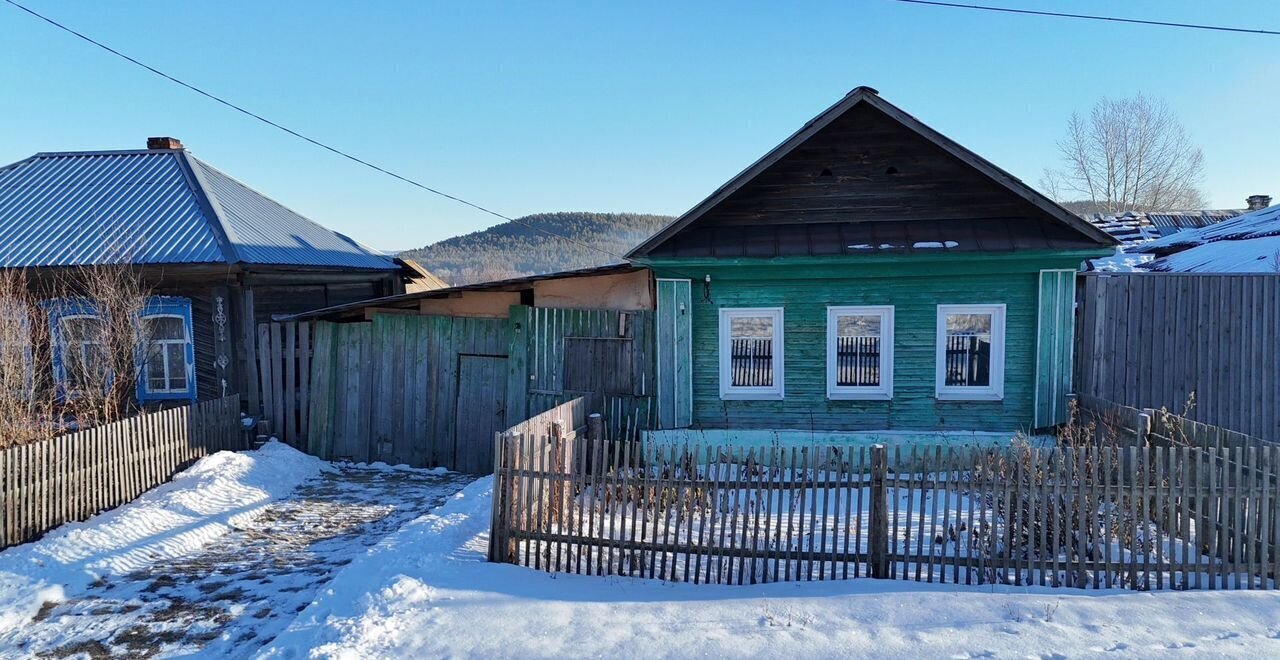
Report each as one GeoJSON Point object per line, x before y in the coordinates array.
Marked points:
{"type": "Point", "coordinates": [514, 250]}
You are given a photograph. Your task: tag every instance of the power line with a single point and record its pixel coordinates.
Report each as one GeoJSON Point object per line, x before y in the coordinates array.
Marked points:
{"type": "Point", "coordinates": [1011, 10]}
{"type": "Point", "coordinates": [318, 143]}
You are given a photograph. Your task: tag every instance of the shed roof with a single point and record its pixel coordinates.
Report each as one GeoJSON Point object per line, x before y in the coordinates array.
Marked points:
{"type": "Point", "coordinates": [155, 206]}
{"type": "Point", "coordinates": [512, 284]}
{"type": "Point", "coordinates": [1057, 226]}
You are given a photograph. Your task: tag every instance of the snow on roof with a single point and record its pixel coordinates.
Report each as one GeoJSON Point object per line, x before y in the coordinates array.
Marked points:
{"type": "Point", "coordinates": [1121, 262]}
{"type": "Point", "coordinates": [1137, 227]}
{"type": "Point", "coordinates": [1255, 224]}
{"type": "Point", "coordinates": [1250, 255]}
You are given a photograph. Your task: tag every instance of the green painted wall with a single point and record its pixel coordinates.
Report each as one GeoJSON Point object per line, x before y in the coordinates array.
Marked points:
{"type": "Point", "coordinates": [914, 285]}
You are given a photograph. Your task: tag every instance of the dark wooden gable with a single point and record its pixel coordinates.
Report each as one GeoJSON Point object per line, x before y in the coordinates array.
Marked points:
{"type": "Point", "coordinates": [867, 181]}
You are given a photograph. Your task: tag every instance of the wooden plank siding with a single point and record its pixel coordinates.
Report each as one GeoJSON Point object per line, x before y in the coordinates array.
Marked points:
{"type": "Point", "coordinates": [77, 475]}
{"type": "Point", "coordinates": [431, 390]}
{"type": "Point", "coordinates": [1055, 325]}
{"type": "Point", "coordinates": [673, 325]}
{"type": "Point", "coordinates": [914, 287]}
{"type": "Point", "coordinates": [1160, 340]}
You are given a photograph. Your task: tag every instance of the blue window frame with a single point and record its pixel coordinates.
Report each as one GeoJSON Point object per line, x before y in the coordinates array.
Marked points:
{"type": "Point", "coordinates": [76, 331]}
{"type": "Point", "coordinates": [166, 364]}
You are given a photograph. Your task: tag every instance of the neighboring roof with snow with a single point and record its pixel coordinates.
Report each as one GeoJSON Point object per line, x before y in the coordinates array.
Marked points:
{"type": "Point", "coordinates": [1253, 255]}
{"type": "Point", "coordinates": [155, 206]}
{"type": "Point", "coordinates": [1255, 224]}
{"type": "Point", "coordinates": [1135, 227]}
{"type": "Point", "coordinates": [1249, 243]}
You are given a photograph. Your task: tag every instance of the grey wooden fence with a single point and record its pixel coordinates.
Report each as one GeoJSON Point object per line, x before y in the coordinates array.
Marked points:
{"type": "Point", "coordinates": [432, 390]}
{"type": "Point", "coordinates": [74, 476]}
{"type": "Point", "coordinates": [1159, 340]}
{"type": "Point", "coordinates": [284, 369]}
{"type": "Point", "coordinates": [1102, 516]}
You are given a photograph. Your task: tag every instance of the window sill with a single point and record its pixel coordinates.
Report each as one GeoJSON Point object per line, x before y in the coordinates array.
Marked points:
{"type": "Point", "coordinates": [751, 396]}
{"type": "Point", "coordinates": [859, 396]}
{"type": "Point", "coordinates": [977, 395]}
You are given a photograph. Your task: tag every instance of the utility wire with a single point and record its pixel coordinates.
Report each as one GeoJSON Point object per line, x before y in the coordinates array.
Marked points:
{"type": "Point", "coordinates": [318, 143]}
{"type": "Point", "coordinates": [1091, 17]}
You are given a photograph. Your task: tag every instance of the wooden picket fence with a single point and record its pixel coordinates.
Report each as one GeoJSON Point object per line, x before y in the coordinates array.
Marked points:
{"type": "Point", "coordinates": [74, 476]}
{"type": "Point", "coordinates": [1100, 516]}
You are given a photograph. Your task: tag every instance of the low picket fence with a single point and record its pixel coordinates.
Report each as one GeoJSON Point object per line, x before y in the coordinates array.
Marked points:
{"type": "Point", "coordinates": [74, 476]}
{"type": "Point", "coordinates": [1099, 516]}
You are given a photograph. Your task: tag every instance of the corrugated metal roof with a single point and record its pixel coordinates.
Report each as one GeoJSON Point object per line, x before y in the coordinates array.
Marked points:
{"type": "Point", "coordinates": [154, 207]}
{"type": "Point", "coordinates": [1135, 227]}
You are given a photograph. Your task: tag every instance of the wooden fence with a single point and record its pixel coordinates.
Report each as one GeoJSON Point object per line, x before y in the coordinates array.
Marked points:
{"type": "Point", "coordinates": [1089, 517]}
{"type": "Point", "coordinates": [432, 390]}
{"type": "Point", "coordinates": [74, 476]}
{"type": "Point", "coordinates": [1156, 340]}
{"type": "Point", "coordinates": [284, 369]}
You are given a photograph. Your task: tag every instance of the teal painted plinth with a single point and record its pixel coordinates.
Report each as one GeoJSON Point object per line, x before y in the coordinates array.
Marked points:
{"type": "Point", "coordinates": [748, 439]}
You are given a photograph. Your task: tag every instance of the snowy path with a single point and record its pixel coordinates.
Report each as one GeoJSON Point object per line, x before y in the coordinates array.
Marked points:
{"type": "Point", "coordinates": [237, 593]}
{"type": "Point", "coordinates": [427, 592]}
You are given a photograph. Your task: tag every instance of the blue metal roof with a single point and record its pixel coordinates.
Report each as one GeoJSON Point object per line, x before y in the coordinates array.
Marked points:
{"type": "Point", "coordinates": [155, 207]}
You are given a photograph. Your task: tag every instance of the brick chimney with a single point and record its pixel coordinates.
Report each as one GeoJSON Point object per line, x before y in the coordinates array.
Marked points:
{"type": "Point", "coordinates": [163, 143]}
{"type": "Point", "coordinates": [1256, 202]}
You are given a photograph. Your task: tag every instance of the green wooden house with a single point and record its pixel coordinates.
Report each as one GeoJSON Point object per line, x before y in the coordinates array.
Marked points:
{"type": "Point", "coordinates": [868, 274]}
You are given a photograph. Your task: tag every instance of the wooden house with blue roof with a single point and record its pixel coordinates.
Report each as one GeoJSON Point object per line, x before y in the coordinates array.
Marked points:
{"type": "Point", "coordinates": [218, 255]}
{"type": "Point", "coordinates": [868, 274]}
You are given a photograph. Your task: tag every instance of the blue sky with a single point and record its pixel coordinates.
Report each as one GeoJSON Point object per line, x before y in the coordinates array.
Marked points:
{"type": "Point", "coordinates": [527, 107]}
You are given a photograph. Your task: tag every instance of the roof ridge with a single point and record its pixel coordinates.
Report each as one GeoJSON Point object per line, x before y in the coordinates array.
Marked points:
{"type": "Point", "coordinates": [354, 243]}
{"type": "Point", "coordinates": [103, 152]}
{"type": "Point", "coordinates": [222, 230]}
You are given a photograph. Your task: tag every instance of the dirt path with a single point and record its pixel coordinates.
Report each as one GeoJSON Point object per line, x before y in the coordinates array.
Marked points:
{"type": "Point", "coordinates": [230, 598]}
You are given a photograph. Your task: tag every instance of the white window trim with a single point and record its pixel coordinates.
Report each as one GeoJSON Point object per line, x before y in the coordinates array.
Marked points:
{"type": "Point", "coordinates": [184, 342]}
{"type": "Point", "coordinates": [992, 392]}
{"type": "Point", "coordinates": [881, 392]}
{"type": "Point", "coordinates": [748, 393]}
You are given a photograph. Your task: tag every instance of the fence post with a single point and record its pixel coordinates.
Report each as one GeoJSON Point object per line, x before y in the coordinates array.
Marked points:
{"type": "Point", "coordinates": [595, 427]}
{"type": "Point", "coordinates": [1144, 426]}
{"type": "Point", "coordinates": [513, 516]}
{"type": "Point", "coordinates": [878, 538]}
{"type": "Point", "coordinates": [495, 515]}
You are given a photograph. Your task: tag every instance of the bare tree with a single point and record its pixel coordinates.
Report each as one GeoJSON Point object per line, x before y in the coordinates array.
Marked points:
{"type": "Point", "coordinates": [24, 412]}
{"type": "Point", "coordinates": [101, 341]}
{"type": "Point", "coordinates": [1128, 155]}
{"type": "Point", "coordinates": [102, 355]}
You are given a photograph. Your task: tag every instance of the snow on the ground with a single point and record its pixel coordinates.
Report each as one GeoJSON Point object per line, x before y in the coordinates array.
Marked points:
{"type": "Point", "coordinates": [426, 591]}
{"type": "Point", "coordinates": [199, 505]}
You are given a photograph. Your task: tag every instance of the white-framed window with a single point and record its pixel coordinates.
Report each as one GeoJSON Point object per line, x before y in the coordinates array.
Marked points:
{"type": "Point", "coordinates": [167, 369]}
{"type": "Point", "coordinates": [860, 352]}
{"type": "Point", "coordinates": [751, 365]}
{"type": "Point", "coordinates": [970, 359]}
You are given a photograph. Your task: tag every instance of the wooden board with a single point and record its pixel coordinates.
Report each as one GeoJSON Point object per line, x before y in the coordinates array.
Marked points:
{"type": "Point", "coordinates": [480, 410]}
